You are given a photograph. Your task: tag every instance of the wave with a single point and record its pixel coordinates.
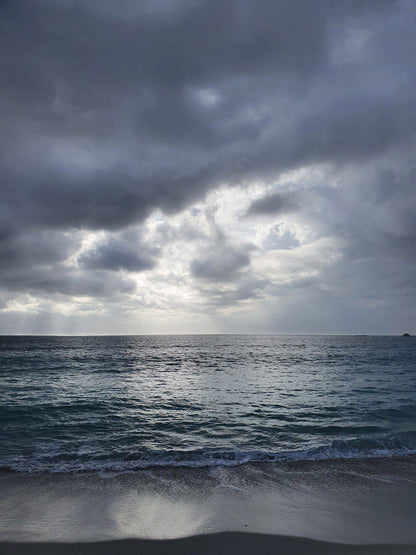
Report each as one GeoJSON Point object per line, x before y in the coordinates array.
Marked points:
{"type": "Point", "coordinates": [54, 462]}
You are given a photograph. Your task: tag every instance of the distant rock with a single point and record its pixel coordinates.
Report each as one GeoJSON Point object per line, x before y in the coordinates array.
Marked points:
{"type": "Point", "coordinates": [406, 335]}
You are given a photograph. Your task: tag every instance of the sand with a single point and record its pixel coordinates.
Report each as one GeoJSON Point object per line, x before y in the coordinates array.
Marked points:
{"type": "Point", "coordinates": [344, 507]}
{"type": "Point", "coordinates": [230, 543]}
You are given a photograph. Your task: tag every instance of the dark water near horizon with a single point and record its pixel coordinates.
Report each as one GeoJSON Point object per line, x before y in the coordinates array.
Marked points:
{"type": "Point", "coordinates": [118, 403]}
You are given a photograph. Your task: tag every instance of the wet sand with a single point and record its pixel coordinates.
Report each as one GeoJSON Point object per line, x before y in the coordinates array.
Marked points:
{"type": "Point", "coordinates": [341, 507]}
{"type": "Point", "coordinates": [216, 544]}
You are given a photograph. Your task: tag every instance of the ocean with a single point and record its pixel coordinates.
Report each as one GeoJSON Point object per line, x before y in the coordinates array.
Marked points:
{"type": "Point", "coordinates": [203, 433]}
{"type": "Point", "coordinates": [72, 404]}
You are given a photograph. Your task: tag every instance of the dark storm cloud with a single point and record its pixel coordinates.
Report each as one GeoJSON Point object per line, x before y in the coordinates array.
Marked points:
{"type": "Point", "coordinates": [37, 263]}
{"type": "Point", "coordinates": [58, 279]}
{"type": "Point", "coordinates": [114, 255]}
{"type": "Point", "coordinates": [111, 201]}
{"type": "Point", "coordinates": [27, 249]}
{"type": "Point", "coordinates": [276, 203]}
{"type": "Point", "coordinates": [110, 111]}
{"type": "Point", "coordinates": [109, 57]}
{"type": "Point", "coordinates": [73, 73]}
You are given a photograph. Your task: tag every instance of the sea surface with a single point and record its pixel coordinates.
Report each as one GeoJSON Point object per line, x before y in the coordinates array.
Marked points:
{"type": "Point", "coordinates": [126, 403]}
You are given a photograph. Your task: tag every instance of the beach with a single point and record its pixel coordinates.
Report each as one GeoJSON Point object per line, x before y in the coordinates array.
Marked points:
{"type": "Point", "coordinates": [219, 544]}
{"type": "Point", "coordinates": [196, 444]}
{"type": "Point", "coordinates": [208, 444]}
{"type": "Point", "coordinates": [345, 506]}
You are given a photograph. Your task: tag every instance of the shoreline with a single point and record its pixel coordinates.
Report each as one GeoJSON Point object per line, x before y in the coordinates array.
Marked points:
{"type": "Point", "coordinates": [207, 544]}
{"type": "Point", "coordinates": [346, 502]}
{"type": "Point", "coordinates": [336, 462]}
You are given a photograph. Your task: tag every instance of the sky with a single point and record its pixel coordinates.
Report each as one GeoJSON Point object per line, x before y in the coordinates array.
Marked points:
{"type": "Point", "coordinates": [207, 166]}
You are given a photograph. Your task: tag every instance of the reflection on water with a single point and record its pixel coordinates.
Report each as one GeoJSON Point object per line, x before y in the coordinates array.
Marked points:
{"type": "Point", "coordinates": [345, 501]}
{"type": "Point", "coordinates": [146, 515]}
{"type": "Point", "coordinates": [122, 403]}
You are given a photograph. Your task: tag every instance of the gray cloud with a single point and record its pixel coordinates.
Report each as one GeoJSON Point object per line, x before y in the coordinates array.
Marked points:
{"type": "Point", "coordinates": [134, 85]}
{"type": "Point", "coordinates": [247, 289]}
{"type": "Point", "coordinates": [114, 255]}
{"type": "Point", "coordinates": [23, 250]}
{"type": "Point", "coordinates": [109, 114]}
{"type": "Point", "coordinates": [38, 263]}
{"type": "Point", "coordinates": [81, 284]}
{"type": "Point", "coordinates": [277, 203]}
{"type": "Point", "coordinates": [222, 263]}
{"type": "Point", "coordinates": [57, 279]}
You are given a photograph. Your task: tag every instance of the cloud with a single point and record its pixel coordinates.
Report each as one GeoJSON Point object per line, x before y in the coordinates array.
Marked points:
{"type": "Point", "coordinates": [277, 203]}
{"type": "Point", "coordinates": [95, 122]}
{"type": "Point", "coordinates": [113, 255]}
{"type": "Point", "coordinates": [223, 263]}
{"type": "Point", "coordinates": [113, 118]}
{"type": "Point", "coordinates": [59, 280]}
{"type": "Point", "coordinates": [25, 250]}
{"type": "Point", "coordinates": [43, 263]}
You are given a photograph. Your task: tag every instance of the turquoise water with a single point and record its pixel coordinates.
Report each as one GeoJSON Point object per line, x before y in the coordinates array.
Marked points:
{"type": "Point", "coordinates": [129, 402]}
